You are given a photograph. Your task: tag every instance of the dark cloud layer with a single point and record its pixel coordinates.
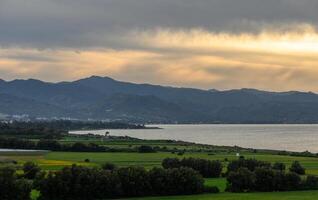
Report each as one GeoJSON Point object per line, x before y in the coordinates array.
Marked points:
{"type": "Point", "coordinates": [103, 23]}
{"type": "Point", "coordinates": [224, 44]}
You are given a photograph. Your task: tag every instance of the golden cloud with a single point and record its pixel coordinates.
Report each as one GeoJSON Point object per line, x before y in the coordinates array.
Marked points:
{"type": "Point", "coordinates": [272, 60]}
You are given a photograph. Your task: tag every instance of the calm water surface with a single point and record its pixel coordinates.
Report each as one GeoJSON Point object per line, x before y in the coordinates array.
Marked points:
{"type": "Point", "coordinates": [279, 137]}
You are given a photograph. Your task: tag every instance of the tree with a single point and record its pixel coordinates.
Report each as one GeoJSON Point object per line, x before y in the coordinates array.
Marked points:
{"type": "Point", "coordinates": [146, 149]}
{"type": "Point", "coordinates": [184, 181]}
{"type": "Point", "coordinates": [292, 181]}
{"type": "Point", "coordinates": [11, 188]}
{"type": "Point", "coordinates": [242, 180]}
{"type": "Point", "coordinates": [264, 180]}
{"type": "Point", "coordinates": [109, 166]}
{"type": "Point", "coordinates": [158, 178]}
{"type": "Point", "coordinates": [279, 166]}
{"type": "Point", "coordinates": [134, 181]}
{"type": "Point", "coordinates": [30, 170]}
{"type": "Point", "coordinates": [171, 163]}
{"type": "Point", "coordinates": [297, 168]}
{"type": "Point", "coordinates": [311, 183]}
{"type": "Point", "coordinates": [250, 164]}
{"type": "Point", "coordinates": [207, 168]}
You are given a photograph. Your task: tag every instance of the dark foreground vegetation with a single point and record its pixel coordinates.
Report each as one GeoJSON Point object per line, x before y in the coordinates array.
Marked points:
{"type": "Point", "coordinates": [84, 183]}
{"type": "Point", "coordinates": [55, 145]}
{"type": "Point", "coordinates": [57, 128]}
{"type": "Point", "coordinates": [246, 175]}
{"type": "Point", "coordinates": [207, 168]}
{"type": "Point", "coordinates": [178, 177]}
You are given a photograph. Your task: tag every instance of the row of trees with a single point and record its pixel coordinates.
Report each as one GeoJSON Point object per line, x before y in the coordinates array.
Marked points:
{"type": "Point", "coordinates": [268, 180]}
{"type": "Point", "coordinates": [81, 183]}
{"type": "Point", "coordinates": [207, 168]}
{"type": "Point", "coordinates": [63, 126]}
{"type": "Point", "coordinates": [244, 175]}
{"type": "Point", "coordinates": [54, 145]}
{"type": "Point", "coordinates": [107, 182]}
{"type": "Point", "coordinates": [47, 144]}
{"type": "Point", "coordinates": [253, 164]}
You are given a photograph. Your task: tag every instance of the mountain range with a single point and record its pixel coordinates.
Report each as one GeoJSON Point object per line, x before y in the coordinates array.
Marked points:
{"type": "Point", "coordinates": [103, 98]}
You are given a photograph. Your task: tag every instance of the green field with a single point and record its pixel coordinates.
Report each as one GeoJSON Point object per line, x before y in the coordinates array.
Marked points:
{"type": "Point", "coordinates": [304, 195]}
{"type": "Point", "coordinates": [58, 160]}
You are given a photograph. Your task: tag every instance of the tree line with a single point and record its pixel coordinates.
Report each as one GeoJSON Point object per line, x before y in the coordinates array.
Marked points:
{"type": "Point", "coordinates": [20, 127]}
{"type": "Point", "coordinates": [54, 145]}
{"type": "Point", "coordinates": [177, 177]}
{"type": "Point", "coordinates": [83, 183]}
{"type": "Point", "coordinates": [207, 168]}
{"type": "Point", "coordinates": [247, 175]}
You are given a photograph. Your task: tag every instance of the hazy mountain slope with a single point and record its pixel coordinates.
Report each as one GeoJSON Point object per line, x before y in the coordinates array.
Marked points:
{"type": "Point", "coordinates": [13, 105]}
{"type": "Point", "coordinates": [106, 98]}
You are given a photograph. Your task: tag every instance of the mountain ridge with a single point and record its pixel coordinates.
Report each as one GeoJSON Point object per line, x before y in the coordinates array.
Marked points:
{"type": "Point", "coordinates": [104, 98]}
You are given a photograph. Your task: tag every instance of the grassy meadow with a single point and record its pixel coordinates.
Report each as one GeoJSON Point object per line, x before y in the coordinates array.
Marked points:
{"type": "Point", "coordinates": [301, 195]}
{"type": "Point", "coordinates": [58, 160]}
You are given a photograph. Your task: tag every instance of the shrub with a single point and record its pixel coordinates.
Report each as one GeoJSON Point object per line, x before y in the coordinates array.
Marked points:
{"type": "Point", "coordinates": [109, 166]}
{"type": "Point", "coordinates": [11, 188]}
{"type": "Point", "coordinates": [146, 149]}
{"type": "Point", "coordinates": [175, 181]}
{"type": "Point", "coordinates": [241, 180]}
{"type": "Point", "coordinates": [180, 153]}
{"type": "Point", "coordinates": [311, 183]}
{"type": "Point", "coordinates": [72, 183]}
{"type": "Point", "coordinates": [134, 181]}
{"type": "Point", "coordinates": [184, 181]}
{"type": "Point", "coordinates": [211, 189]}
{"type": "Point", "coordinates": [171, 163]}
{"type": "Point", "coordinates": [250, 164]}
{"type": "Point", "coordinates": [297, 168]}
{"type": "Point", "coordinates": [292, 181]}
{"type": "Point", "coordinates": [279, 166]}
{"type": "Point", "coordinates": [30, 170]}
{"type": "Point", "coordinates": [264, 180]}
{"type": "Point", "coordinates": [207, 168]}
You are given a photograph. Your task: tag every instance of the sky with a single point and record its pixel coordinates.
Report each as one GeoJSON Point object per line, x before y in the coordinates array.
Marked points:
{"type": "Point", "coordinates": [221, 44]}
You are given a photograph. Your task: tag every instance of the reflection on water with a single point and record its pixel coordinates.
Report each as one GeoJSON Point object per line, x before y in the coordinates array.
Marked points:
{"type": "Point", "coordinates": [280, 137]}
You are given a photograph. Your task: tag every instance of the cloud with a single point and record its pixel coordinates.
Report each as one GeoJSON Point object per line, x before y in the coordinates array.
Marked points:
{"type": "Point", "coordinates": [101, 24]}
{"type": "Point", "coordinates": [222, 44]}
{"type": "Point", "coordinates": [271, 60]}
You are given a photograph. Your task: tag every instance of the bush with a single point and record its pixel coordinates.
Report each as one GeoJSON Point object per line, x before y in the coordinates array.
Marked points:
{"type": "Point", "coordinates": [11, 188]}
{"type": "Point", "coordinates": [292, 181]}
{"type": "Point", "coordinates": [72, 183]}
{"type": "Point", "coordinates": [146, 149]}
{"type": "Point", "coordinates": [279, 166]}
{"type": "Point", "coordinates": [311, 183]}
{"type": "Point", "coordinates": [109, 166]}
{"type": "Point", "coordinates": [169, 163]}
{"type": "Point", "coordinates": [211, 189]}
{"type": "Point", "coordinates": [250, 164]}
{"type": "Point", "coordinates": [297, 168]}
{"type": "Point", "coordinates": [175, 181]}
{"type": "Point", "coordinates": [207, 168]}
{"type": "Point", "coordinates": [264, 180]}
{"type": "Point", "coordinates": [241, 180]}
{"type": "Point", "coordinates": [134, 181]}
{"type": "Point", "coordinates": [184, 181]}
{"type": "Point", "coordinates": [30, 170]}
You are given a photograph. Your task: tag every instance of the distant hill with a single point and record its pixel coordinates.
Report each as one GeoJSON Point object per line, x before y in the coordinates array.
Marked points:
{"type": "Point", "coordinates": [105, 98]}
